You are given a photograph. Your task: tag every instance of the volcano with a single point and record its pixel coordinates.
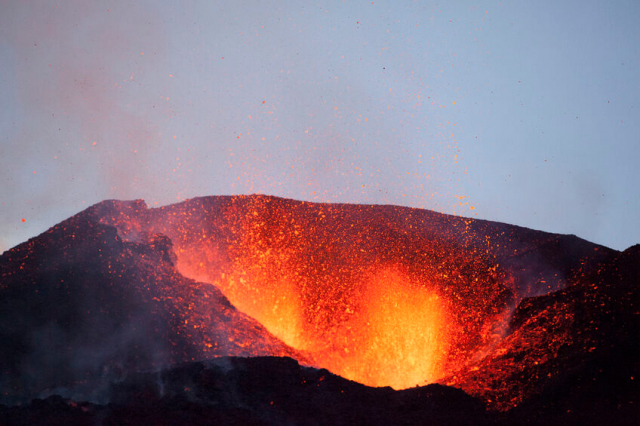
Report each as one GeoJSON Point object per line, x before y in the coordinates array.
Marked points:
{"type": "Point", "coordinates": [258, 309]}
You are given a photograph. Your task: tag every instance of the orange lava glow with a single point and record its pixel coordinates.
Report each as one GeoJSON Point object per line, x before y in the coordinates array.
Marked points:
{"type": "Point", "coordinates": [399, 338]}
{"type": "Point", "coordinates": [372, 294]}
{"type": "Point", "coordinates": [392, 335]}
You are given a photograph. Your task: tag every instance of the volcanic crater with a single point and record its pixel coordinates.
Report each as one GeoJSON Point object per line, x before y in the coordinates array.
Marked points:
{"type": "Point", "coordinates": [533, 326]}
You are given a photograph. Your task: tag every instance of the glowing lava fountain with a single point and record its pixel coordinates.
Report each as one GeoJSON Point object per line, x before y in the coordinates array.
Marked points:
{"type": "Point", "coordinates": [383, 295]}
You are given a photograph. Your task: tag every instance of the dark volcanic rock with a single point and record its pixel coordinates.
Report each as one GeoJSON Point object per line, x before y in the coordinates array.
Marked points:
{"type": "Point", "coordinates": [78, 304]}
{"type": "Point", "coordinates": [571, 357]}
{"type": "Point", "coordinates": [265, 391]}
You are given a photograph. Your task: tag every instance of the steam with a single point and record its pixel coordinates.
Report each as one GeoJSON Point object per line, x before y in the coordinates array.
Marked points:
{"type": "Point", "coordinates": [81, 75]}
{"type": "Point", "coordinates": [94, 366]}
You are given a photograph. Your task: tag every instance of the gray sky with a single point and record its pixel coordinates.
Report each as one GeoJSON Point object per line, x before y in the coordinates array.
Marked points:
{"type": "Point", "coordinates": [516, 111]}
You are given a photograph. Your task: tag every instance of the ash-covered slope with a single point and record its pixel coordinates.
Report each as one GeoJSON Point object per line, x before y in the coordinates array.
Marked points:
{"type": "Point", "coordinates": [536, 262]}
{"type": "Point", "coordinates": [78, 304]}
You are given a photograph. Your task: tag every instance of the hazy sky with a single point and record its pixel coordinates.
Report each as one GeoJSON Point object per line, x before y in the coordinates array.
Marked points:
{"type": "Point", "coordinates": [528, 110]}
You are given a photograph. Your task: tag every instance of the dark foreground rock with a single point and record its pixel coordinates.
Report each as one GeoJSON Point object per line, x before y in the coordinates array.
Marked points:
{"type": "Point", "coordinates": [260, 391]}
{"type": "Point", "coordinates": [79, 305]}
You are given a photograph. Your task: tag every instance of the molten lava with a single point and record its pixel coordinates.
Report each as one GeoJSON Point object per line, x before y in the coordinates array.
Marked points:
{"type": "Point", "coordinates": [391, 335]}
{"type": "Point", "coordinates": [365, 292]}
{"type": "Point", "coordinates": [399, 337]}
